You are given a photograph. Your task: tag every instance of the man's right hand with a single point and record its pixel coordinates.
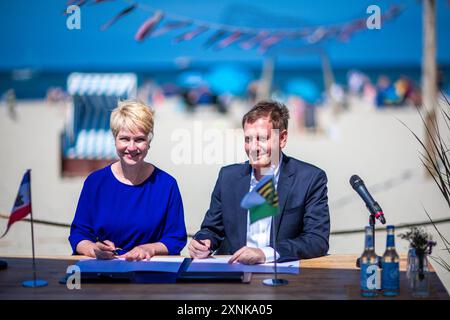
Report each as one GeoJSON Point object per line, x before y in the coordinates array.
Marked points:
{"type": "Point", "coordinates": [198, 250]}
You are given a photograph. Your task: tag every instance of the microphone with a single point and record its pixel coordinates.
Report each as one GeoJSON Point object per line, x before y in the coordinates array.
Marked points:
{"type": "Point", "coordinates": [374, 208]}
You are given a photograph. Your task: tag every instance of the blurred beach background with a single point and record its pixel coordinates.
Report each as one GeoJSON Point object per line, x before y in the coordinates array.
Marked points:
{"type": "Point", "coordinates": [349, 93]}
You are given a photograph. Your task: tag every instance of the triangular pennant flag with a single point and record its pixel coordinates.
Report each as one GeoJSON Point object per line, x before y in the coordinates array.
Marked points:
{"type": "Point", "coordinates": [169, 26]}
{"type": "Point", "coordinates": [248, 44]}
{"type": "Point", "coordinates": [269, 42]}
{"type": "Point", "coordinates": [147, 27]}
{"type": "Point", "coordinates": [118, 16]}
{"type": "Point", "coordinates": [219, 34]}
{"type": "Point", "coordinates": [229, 40]}
{"type": "Point", "coordinates": [22, 205]}
{"type": "Point", "coordinates": [191, 34]}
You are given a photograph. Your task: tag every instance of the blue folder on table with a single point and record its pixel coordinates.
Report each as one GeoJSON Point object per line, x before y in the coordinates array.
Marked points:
{"type": "Point", "coordinates": [174, 269]}
{"type": "Point", "coordinates": [153, 271]}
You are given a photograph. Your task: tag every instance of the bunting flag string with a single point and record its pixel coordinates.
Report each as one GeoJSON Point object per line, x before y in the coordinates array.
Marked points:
{"type": "Point", "coordinates": [224, 36]}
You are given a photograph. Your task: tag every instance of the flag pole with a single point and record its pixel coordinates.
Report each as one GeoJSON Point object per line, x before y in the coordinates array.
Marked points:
{"type": "Point", "coordinates": [274, 250]}
{"type": "Point", "coordinates": [275, 282]}
{"type": "Point", "coordinates": [35, 282]}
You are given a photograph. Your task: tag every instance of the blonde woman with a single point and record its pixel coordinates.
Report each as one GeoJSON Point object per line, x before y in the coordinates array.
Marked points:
{"type": "Point", "coordinates": [129, 209]}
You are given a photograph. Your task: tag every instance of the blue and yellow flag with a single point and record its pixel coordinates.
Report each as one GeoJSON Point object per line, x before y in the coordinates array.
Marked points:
{"type": "Point", "coordinates": [262, 201]}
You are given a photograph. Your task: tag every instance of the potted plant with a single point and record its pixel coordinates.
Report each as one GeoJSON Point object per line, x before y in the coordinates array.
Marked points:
{"type": "Point", "coordinates": [422, 243]}
{"type": "Point", "coordinates": [436, 160]}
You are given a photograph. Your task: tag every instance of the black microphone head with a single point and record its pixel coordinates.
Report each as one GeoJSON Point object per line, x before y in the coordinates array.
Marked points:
{"type": "Point", "coordinates": [355, 181]}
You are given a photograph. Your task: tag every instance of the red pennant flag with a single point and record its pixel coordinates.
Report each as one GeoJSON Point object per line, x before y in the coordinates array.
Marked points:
{"type": "Point", "coordinates": [214, 38]}
{"type": "Point", "coordinates": [246, 45]}
{"type": "Point", "coordinates": [169, 26]}
{"type": "Point", "coordinates": [232, 38]}
{"type": "Point", "coordinates": [191, 34]}
{"type": "Point", "coordinates": [269, 42]}
{"type": "Point", "coordinates": [118, 16]}
{"type": "Point", "coordinates": [148, 26]}
{"type": "Point", "coordinates": [22, 205]}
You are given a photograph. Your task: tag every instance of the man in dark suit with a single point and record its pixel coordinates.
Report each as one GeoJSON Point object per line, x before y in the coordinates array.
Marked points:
{"type": "Point", "coordinates": [303, 223]}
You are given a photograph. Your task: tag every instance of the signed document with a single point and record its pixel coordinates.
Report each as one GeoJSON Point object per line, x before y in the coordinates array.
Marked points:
{"type": "Point", "coordinates": [220, 264]}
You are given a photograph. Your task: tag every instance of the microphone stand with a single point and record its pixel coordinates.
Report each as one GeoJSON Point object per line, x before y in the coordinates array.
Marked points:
{"type": "Point", "coordinates": [372, 226]}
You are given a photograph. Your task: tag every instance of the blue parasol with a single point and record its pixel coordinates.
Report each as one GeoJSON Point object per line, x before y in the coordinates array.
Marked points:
{"type": "Point", "coordinates": [229, 79]}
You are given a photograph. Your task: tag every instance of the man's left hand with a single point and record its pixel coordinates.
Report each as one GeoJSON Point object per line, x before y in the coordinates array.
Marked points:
{"type": "Point", "coordinates": [247, 255]}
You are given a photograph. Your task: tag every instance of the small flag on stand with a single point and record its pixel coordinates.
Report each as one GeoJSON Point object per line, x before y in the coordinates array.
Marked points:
{"type": "Point", "coordinates": [262, 202]}
{"type": "Point", "coordinates": [22, 207]}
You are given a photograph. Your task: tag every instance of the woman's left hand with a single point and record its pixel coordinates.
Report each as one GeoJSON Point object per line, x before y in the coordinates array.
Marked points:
{"type": "Point", "coordinates": [139, 253]}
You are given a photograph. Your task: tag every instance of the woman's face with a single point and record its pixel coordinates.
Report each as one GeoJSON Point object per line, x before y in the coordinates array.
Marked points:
{"type": "Point", "coordinates": [132, 146]}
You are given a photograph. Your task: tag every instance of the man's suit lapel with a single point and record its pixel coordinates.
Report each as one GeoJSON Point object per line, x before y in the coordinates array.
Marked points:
{"type": "Point", "coordinates": [284, 188]}
{"type": "Point", "coordinates": [241, 188]}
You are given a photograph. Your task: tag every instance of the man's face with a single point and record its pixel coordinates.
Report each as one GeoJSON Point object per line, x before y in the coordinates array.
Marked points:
{"type": "Point", "coordinates": [263, 144]}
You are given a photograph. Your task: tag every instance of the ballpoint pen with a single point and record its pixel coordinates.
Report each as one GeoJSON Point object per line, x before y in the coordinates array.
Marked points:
{"type": "Point", "coordinates": [211, 251]}
{"type": "Point", "coordinates": [115, 251]}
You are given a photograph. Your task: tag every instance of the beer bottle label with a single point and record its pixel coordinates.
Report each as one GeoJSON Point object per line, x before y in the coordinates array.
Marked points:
{"type": "Point", "coordinates": [390, 276]}
{"type": "Point", "coordinates": [370, 277]}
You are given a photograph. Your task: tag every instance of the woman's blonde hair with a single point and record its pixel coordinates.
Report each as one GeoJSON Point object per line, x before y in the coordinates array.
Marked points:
{"type": "Point", "coordinates": [132, 115]}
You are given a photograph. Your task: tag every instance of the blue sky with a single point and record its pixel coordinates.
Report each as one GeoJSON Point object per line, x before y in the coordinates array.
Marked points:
{"type": "Point", "coordinates": [34, 34]}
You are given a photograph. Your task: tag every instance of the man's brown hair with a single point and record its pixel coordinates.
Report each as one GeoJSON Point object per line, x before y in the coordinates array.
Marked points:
{"type": "Point", "coordinates": [276, 111]}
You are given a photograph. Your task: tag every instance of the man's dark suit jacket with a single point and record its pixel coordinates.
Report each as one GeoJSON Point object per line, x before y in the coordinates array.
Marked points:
{"type": "Point", "coordinates": [302, 226]}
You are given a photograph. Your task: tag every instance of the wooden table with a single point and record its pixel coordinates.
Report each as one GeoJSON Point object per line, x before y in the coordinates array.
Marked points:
{"type": "Point", "coordinates": [330, 277]}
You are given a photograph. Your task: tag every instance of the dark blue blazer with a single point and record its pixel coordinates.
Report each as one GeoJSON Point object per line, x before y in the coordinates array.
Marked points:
{"type": "Point", "coordinates": [302, 226]}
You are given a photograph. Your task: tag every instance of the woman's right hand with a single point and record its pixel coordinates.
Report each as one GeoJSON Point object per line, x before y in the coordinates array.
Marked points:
{"type": "Point", "coordinates": [105, 250]}
{"type": "Point", "coordinates": [97, 250]}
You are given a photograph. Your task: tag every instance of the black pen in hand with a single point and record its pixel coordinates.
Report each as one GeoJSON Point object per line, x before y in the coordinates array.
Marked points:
{"type": "Point", "coordinates": [211, 251]}
{"type": "Point", "coordinates": [115, 251]}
